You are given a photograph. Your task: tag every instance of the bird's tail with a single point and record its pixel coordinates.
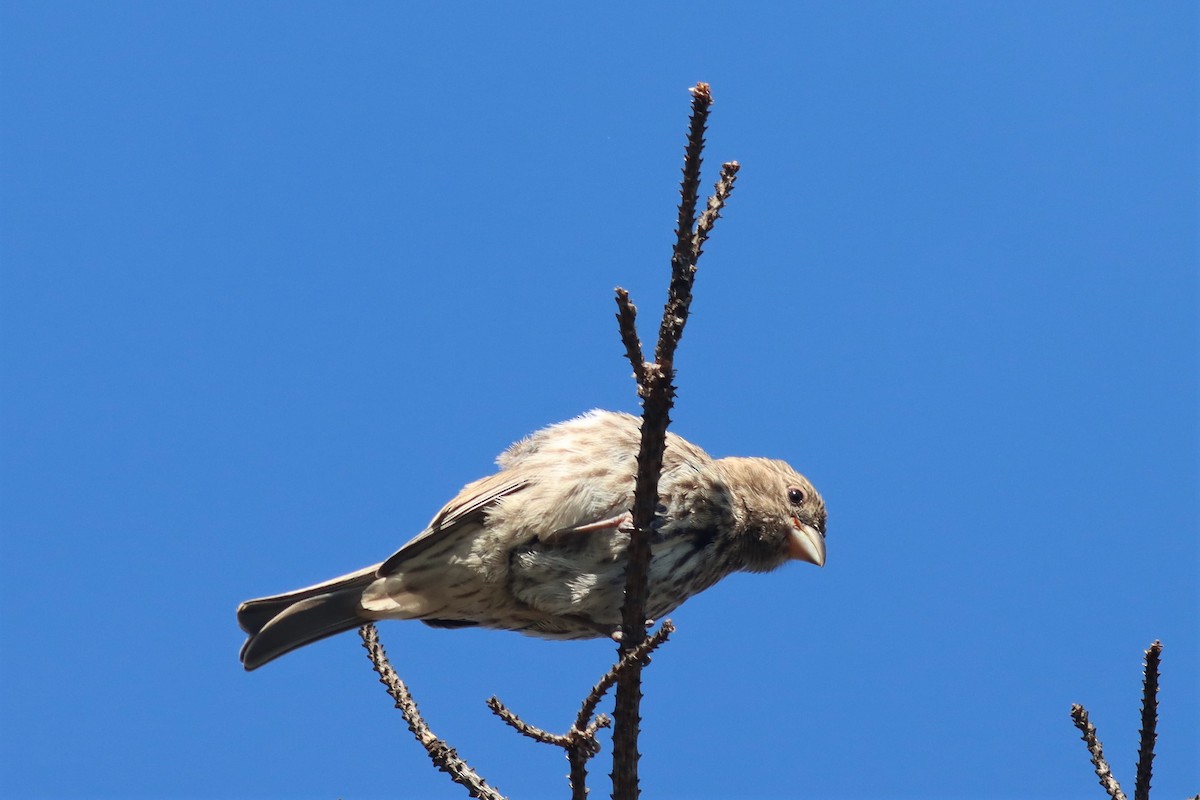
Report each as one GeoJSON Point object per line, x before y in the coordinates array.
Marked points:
{"type": "Point", "coordinates": [281, 623]}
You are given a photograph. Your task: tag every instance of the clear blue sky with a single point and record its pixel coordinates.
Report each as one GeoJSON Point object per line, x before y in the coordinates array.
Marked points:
{"type": "Point", "coordinates": [279, 278]}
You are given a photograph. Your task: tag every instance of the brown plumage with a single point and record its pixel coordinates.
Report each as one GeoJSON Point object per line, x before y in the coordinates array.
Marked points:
{"type": "Point", "coordinates": [539, 547]}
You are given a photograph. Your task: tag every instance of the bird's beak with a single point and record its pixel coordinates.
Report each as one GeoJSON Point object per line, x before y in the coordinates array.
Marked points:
{"type": "Point", "coordinates": [806, 544]}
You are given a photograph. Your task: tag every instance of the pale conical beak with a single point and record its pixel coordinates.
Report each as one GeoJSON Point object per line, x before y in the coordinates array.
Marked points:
{"type": "Point", "coordinates": [806, 544]}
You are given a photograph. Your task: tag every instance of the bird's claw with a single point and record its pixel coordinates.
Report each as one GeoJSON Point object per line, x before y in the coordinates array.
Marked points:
{"type": "Point", "coordinates": [618, 635]}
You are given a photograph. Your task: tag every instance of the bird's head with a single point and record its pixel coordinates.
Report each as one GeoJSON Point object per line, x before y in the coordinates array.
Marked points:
{"type": "Point", "coordinates": [780, 516]}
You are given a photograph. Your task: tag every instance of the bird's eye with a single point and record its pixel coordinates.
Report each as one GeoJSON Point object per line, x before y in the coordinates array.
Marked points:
{"type": "Point", "coordinates": [796, 496]}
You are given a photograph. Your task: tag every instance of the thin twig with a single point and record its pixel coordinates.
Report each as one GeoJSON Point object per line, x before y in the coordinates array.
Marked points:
{"type": "Point", "coordinates": [639, 654]}
{"type": "Point", "coordinates": [627, 323]}
{"type": "Point", "coordinates": [584, 745]}
{"type": "Point", "coordinates": [1079, 716]}
{"type": "Point", "coordinates": [584, 731]}
{"type": "Point", "coordinates": [577, 758]}
{"type": "Point", "coordinates": [683, 257]}
{"type": "Point", "coordinates": [443, 755]}
{"type": "Point", "coordinates": [712, 213]}
{"type": "Point", "coordinates": [522, 727]}
{"type": "Point", "coordinates": [1141, 788]}
{"type": "Point", "coordinates": [580, 741]}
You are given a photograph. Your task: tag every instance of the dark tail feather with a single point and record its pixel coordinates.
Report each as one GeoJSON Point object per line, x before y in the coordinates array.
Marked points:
{"type": "Point", "coordinates": [253, 615]}
{"type": "Point", "coordinates": [279, 624]}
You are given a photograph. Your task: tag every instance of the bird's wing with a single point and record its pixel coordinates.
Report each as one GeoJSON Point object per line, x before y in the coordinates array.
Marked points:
{"type": "Point", "coordinates": [466, 507]}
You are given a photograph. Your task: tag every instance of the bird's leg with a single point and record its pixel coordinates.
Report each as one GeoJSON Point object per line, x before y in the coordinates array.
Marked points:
{"type": "Point", "coordinates": [621, 522]}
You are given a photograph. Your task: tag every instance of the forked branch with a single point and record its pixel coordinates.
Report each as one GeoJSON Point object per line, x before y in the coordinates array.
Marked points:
{"type": "Point", "coordinates": [580, 741]}
{"type": "Point", "coordinates": [657, 392]}
{"type": "Point", "coordinates": [1147, 738]}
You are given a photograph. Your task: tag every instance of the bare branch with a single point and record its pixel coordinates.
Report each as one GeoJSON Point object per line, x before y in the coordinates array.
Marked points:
{"type": "Point", "coordinates": [579, 743]}
{"type": "Point", "coordinates": [522, 727]}
{"type": "Point", "coordinates": [639, 655]}
{"type": "Point", "coordinates": [1079, 716]}
{"type": "Point", "coordinates": [657, 398]}
{"type": "Point", "coordinates": [443, 755]}
{"type": "Point", "coordinates": [1141, 788]}
{"type": "Point", "coordinates": [627, 322]}
{"type": "Point", "coordinates": [716, 202]}
{"type": "Point", "coordinates": [683, 258]}
{"type": "Point", "coordinates": [578, 757]}
{"type": "Point", "coordinates": [657, 391]}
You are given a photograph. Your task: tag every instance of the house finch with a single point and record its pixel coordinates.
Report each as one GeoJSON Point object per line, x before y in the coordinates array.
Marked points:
{"type": "Point", "coordinates": [540, 546]}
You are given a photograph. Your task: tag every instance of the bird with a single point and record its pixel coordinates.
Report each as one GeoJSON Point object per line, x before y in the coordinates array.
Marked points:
{"type": "Point", "coordinates": [539, 547]}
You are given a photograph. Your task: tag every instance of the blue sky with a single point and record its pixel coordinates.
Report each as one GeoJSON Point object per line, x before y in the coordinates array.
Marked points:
{"type": "Point", "coordinates": [279, 278]}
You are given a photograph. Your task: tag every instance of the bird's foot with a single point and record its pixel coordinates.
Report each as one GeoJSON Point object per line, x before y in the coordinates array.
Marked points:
{"type": "Point", "coordinates": [617, 635]}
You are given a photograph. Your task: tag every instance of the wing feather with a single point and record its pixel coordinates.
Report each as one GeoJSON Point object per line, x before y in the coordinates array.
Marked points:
{"type": "Point", "coordinates": [468, 506]}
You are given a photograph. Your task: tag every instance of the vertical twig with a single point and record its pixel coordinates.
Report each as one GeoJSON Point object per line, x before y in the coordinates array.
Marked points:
{"type": "Point", "coordinates": [684, 254]}
{"type": "Point", "coordinates": [1141, 789]}
{"type": "Point", "coordinates": [656, 388]}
